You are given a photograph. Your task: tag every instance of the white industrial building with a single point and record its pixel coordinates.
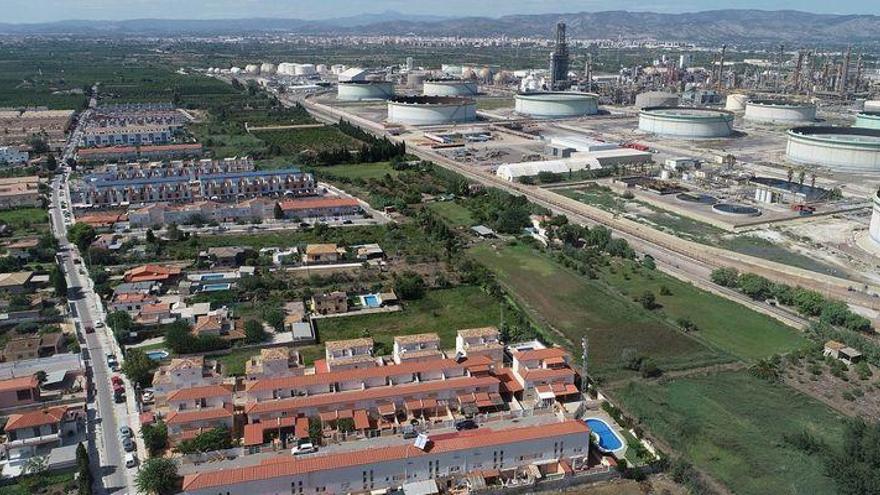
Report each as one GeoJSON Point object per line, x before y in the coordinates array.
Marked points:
{"type": "Point", "coordinates": [352, 74]}
{"type": "Point", "coordinates": [686, 123]}
{"type": "Point", "coordinates": [565, 146]}
{"type": "Point", "coordinates": [556, 104]}
{"type": "Point", "coordinates": [11, 155]}
{"type": "Point", "coordinates": [841, 149]}
{"type": "Point", "coordinates": [575, 163]}
{"type": "Point", "coordinates": [736, 102]}
{"type": "Point", "coordinates": [431, 110]}
{"type": "Point", "coordinates": [779, 111]}
{"type": "Point", "coordinates": [656, 99]}
{"type": "Point", "coordinates": [451, 456]}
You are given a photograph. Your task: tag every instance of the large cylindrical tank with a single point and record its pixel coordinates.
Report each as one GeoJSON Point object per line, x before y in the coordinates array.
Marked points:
{"type": "Point", "coordinates": [286, 69]}
{"type": "Point", "coordinates": [868, 120]}
{"type": "Point", "coordinates": [304, 69]}
{"type": "Point", "coordinates": [656, 99]}
{"type": "Point", "coordinates": [449, 87]}
{"type": "Point", "coordinates": [431, 110]}
{"type": "Point", "coordinates": [840, 149]}
{"type": "Point", "coordinates": [872, 106]}
{"type": "Point", "coordinates": [252, 68]}
{"type": "Point", "coordinates": [364, 90]}
{"type": "Point", "coordinates": [267, 69]}
{"type": "Point", "coordinates": [556, 104]}
{"type": "Point", "coordinates": [736, 102]}
{"type": "Point", "coordinates": [686, 122]}
{"type": "Point", "coordinates": [779, 111]}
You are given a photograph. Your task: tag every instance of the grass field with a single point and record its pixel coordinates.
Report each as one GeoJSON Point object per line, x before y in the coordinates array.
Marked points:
{"type": "Point", "coordinates": [453, 213]}
{"type": "Point", "coordinates": [576, 306]}
{"type": "Point", "coordinates": [732, 425]}
{"type": "Point", "coordinates": [353, 171]}
{"type": "Point", "coordinates": [494, 103]}
{"type": "Point", "coordinates": [54, 483]}
{"type": "Point", "coordinates": [26, 220]}
{"type": "Point", "coordinates": [722, 323]}
{"type": "Point", "coordinates": [443, 311]}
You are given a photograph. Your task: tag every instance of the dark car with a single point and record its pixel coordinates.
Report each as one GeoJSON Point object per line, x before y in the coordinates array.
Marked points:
{"type": "Point", "coordinates": [410, 432]}
{"type": "Point", "coordinates": [466, 424]}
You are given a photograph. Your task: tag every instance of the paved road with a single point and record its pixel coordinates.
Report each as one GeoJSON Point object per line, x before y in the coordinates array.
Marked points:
{"type": "Point", "coordinates": [105, 416]}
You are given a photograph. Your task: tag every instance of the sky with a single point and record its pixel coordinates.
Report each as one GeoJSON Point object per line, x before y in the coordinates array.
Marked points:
{"type": "Point", "coordinates": [21, 11]}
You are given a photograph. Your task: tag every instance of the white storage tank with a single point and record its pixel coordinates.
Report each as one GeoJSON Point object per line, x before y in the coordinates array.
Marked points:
{"type": "Point", "coordinates": [868, 120]}
{"type": "Point", "coordinates": [556, 104]}
{"type": "Point", "coordinates": [736, 102]}
{"type": "Point", "coordinates": [449, 87]}
{"type": "Point", "coordinates": [840, 149]}
{"type": "Point", "coordinates": [779, 111]}
{"type": "Point", "coordinates": [304, 70]}
{"type": "Point", "coordinates": [431, 110]}
{"type": "Point", "coordinates": [656, 99]}
{"type": "Point", "coordinates": [252, 68]}
{"type": "Point", "coordinates": [364, 90]}
{"type": "Point", "coordinates": [872, 106]}
{"type": "Point", "coordinates": [686, 122]}
{"type": "Point", "coordinates": [267, 69]}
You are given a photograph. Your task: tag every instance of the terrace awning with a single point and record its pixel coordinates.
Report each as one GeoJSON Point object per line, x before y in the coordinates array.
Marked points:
{"type": "Point", "coordinates": [302, 428]}
{"type": "Point", "coordinates": [387, 409]}
{"type": "Point", "coordinates": [545, 392]}
{"type": "Point", "coordinates": [361, 420]}
{"type": "Point", "coordinates": [327, 416]}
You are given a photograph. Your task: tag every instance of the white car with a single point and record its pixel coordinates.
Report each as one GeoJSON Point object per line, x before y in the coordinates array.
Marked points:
{"type": "Point", "coordinates": [303, 448]}
{"type": "Point", "coordinates": [130, 460]}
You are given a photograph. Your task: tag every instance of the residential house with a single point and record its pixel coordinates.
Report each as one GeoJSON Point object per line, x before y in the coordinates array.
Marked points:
{"type": "Point", "coordinates": [152, 273]}
{"type": "Point", "coordinates": [110, 242]}
{"type": "Point", "coordinates": [16, 192]}
{"type": "Point", "coordinates": [22, 248]}
{"type": "Point", "coordinates": [349, 354]}
{"type": "Point", "coordinates": [33, 347]}
{"type": "Point", "coordinates": [182, 373]}
{"type": "Point", "coordinates": [327, 207]}
{"type": "Point", "coordinates": [34, 432]}
{"type": "Point", "coordinates": [321, 253]}
{"type": "Point", "coordinates": [132, 302]}
{"type": "Point", "coordinates": [16, 282]}
{"type": "Point", "coordinates": [545, 373]}
{"type": "Point", "coordinates": [841, 351]}
{"type": "Point", "coordinates": [154, 314]}
{"type": "Point", "coordinates": [330, 304]}
{"type": "Point", "coordinates": [417, 347]}
{"type": "Point", "coordinates": [365, 252]}
{"type": "Point", "coordinates": [484, 341]}
{"type": "Point", "coordinates": [21, 391]}
{"type": "Point", "coordinates": [225, 256]}
{"type": "Point", "coordinates": [274, 362]}
{"type": "Point", "coordinates": [217, 323]}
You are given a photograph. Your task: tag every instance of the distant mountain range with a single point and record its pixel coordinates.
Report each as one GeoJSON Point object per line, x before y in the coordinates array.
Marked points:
{"type": "Point", "coordinates": [731, 26]}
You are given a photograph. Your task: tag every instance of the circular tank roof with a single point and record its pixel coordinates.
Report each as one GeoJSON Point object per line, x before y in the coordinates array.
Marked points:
{"type": "Point", "coordinates": [688, 113]}
{"type": "Point", "coordinates": [780, 103]}
{"type": "Point", "coordinates": [447, 80]}
{"type": "Point", "coordinates": [557, 96]}
{"type": "Point", "coordinates": [854, 136]}
{"type": "Point", "coordinates": [432, 100]}
{"type": "Point", "coordinates": [365, 83]}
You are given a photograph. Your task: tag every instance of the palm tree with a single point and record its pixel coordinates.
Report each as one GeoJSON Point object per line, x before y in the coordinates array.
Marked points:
{"type": "Point", "coordinates": [790, 173]}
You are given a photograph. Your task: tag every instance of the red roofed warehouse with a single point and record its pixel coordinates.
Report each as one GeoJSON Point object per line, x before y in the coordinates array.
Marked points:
{"type": "Point", "coordinates": [320, 207]}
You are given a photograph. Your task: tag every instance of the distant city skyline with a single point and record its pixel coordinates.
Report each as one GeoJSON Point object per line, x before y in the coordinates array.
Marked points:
{"type": "Point", "coordinates": [32, 11]}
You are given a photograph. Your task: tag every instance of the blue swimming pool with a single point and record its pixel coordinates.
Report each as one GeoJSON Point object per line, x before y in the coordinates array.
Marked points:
{"type": "Point", "coordinates": [212, 276]}
{"type": "Point", "coordinates": [215, 287]}
{"type": "Point", "coordinates": [372, 301]}
{"type": "Point", "coordinates": [157, 355]}
{"type": "Point", "coordinates": [609, 441]}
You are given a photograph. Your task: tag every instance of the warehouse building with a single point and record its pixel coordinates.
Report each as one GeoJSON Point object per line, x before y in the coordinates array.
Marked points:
{"type": "Point", "coordinates": [576, 162]}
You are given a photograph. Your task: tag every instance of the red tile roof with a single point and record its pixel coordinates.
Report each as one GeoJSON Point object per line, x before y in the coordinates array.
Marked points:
{"type": "Point", "coordinates": [547, 373]}
{"type": "Point", "coordinates": [193, 415]}
{"type": "Point", "coordinates": [19, 383]}
{"type": "Point", "coordinates": [49, 416]}
{"type": "Point", "coordinates": [290, 466]}
{"type": "Point", "coordinates": [406, 368]}
{"type": "Point", "coordinates": [509, 381]}
{"type": "Point", "coordinates": [253, 433]}
{"type": "Point", "coordinates": [377, 393]}
{"type": "Point", "coordinates": [150, 273]}
{"type": "Point", "coordinates": [312, 203]}
{"type": "Point", "coordinates": [203, 392]}
{"type": "Point", "coordinates": [541, 354]}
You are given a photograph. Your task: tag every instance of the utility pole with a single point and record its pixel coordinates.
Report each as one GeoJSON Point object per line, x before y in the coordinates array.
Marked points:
{"type": "Point", "coordinates": [585, 357]}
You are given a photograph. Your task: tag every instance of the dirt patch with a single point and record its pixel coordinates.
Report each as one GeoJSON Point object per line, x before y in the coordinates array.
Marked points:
{"type": "Point", "coordinates": [852, 396]}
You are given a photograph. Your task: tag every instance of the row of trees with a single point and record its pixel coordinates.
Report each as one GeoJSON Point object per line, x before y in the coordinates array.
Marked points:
{"type": "Point", "coordinates": [807, 302]}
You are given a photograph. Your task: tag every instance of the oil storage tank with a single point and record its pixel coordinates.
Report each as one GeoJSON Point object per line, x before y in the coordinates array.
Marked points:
{"type": "Point", "coordinates": [872, 106]}
{"type": "Point", "coordinates": [449, 87]}
{"type": "Point", "coordinates": [556, 104]}
{"type": "Point", "coordinates": [868, 120]}
{"type": "Point", "coordinates": [364, 90]}
{"type": "Point", "coordinates": [656, 99]}
{"type": "Point", "coordinates": [431, 110]}
{"type": "Point", "coordinates": [779, 111]}
{"type": "Point", "coordinates": [686, 122]}
{"type": "Point", "coordinates": [840, 149]}
{"type": "Point", "coordinates": [736, 102]}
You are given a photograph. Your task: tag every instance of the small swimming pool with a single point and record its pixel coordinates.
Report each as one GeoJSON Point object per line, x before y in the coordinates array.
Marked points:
{"type": "Point", "coordinates": [158, 354]}
{"type": "Point", "coordinates": [212, 276]}
{"type": "Point", "coordinates": [215, 287]}
{"type": "Point", "coordinates": [371, 300]}
{"type": "Point", "coordinates": [608, 439]}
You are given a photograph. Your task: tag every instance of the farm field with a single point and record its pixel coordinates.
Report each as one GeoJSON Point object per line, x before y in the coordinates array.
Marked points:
{"type": "Point", "coordinates": [721, 323]}
{"type": "Point", "coordinates": [444, 311]}
{"type": "Point", "coordinates": [292, 141]}
{"type": "Point", "coordinates": [354, 171]}
{"type": "Point", "coordinates": [26, 220]}
{"type": "Point", "coordinates": [574, 306]}
{"type": "Point", "coordinates": [453, 213]}
{"type": "Point", "coordinates": [733, 426]}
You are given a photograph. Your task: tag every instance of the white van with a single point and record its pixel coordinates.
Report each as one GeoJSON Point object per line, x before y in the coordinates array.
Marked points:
{"type": "Point", "coordinates": [130, 460]}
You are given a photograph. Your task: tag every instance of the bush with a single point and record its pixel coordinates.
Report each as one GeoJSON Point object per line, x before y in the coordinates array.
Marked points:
{"type": "Point", "coordinates": [648, 300]}
{"type": "Point", "coordinates": [725, 277]}
{"type": "Point", "coordinates": [214, 439]}
{"type": "Point", "coordinates": [409, 286]}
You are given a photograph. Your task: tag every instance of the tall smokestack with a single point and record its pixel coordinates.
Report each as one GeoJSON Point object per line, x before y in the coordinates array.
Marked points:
{"type": "Point", "coordinates": [559, 60]}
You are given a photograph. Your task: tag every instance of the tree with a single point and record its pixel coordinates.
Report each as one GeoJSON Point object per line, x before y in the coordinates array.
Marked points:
{"type": "Point", "coordinates": [725, 277]}
{"type": "Point", "coordinates": [755, 286]}
{"type": "Point", "coordinates": [155, 437]}
{"type": "Point", "coordinates": [808, 302]}
{"type": "Point", "coordinates": [409, 286]}
{"type": "Point", "coordinates": [81, 234]}
{"type": "Point", "coordinates": [316, 430]}
{"type": "Point", "coordinates": [157, 476]}
{"type": "Point", "coordinates": [345, 425]}
{"type": "Point", "coordinates": [214, 439]}
{"type": "Point", "coordinates": [649, 369]}
{"type": "Point", "coordinates": [34, 474]}
{"type": "Point", "coordinates": [278, 212]}
{"type": "Point", "coordinates": [51, 163]}
{"type": "Point", "coordinates": [856, 466]}
{"type": "Point", "coordinates": [648, 262]}
{"type": "Point", "coordinates": [254, 332]}
{"type": "Point", "coordinates": [174, 233]}
{"type": "Point", "coordinates": [138, 367]}
{"type": "Point", "coordinates": [121, 324]}
{"type": "Point", "coordinates": [648, 300]}
{"type": "Point", "coordinates": [58, 281]}
{"type": "Point", "coordinates": [151, 236]}
{"type": "Point", "coordinates": [84, 473]}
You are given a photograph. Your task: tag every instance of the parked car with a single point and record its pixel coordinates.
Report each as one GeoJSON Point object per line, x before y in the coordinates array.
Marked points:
{"type": "Point", "coordinates": [128, 444]}
{"type": "Point", "coordinates": [100, 324]}
{"type": "Point", "coordinates": [303, 448]}
{"type": "Point", "coordinates": [466, 424]}
{"type": "Point", "coordinates": [130, 460]}
{"type": "Point", "coordinates": [91, 329]}
{"type": "Point", "coordinates": [119, 395]}
{"type": "Point", "coordinates": [116, 380]}
{"type": "Point", "coordinates": [126, 432]}
{"type": "Point", "coordinates": [147, 397]}
{"type": "Point", "coordinates": [410, 432]}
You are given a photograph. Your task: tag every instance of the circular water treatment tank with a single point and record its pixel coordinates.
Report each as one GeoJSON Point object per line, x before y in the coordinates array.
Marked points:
{"type": "Point", "coordinates": [364, 90]}
{"type": "Point", "coordinates": [779, 111]}
{"type": "Point", "coordinates": [868, 120]}
{"type": "Point", "coordinates": [556, 104]}
{"type": "Point", "coordinates": [841, 149]}
{"type": "Point", "coordinates": [686, 122]}
{"type": "Point", "coordinates": [431, 110]}
{"type": "Point", "coordinates": [656, 99]}
{"type": "Point", "coordinates": [703, 199]}
{"type": "Point", "coordinates": [449, 87]}
{"type": "Point", "coordinates": [736, 209]}
{"type": "Point", "coordinates": [736, 102]}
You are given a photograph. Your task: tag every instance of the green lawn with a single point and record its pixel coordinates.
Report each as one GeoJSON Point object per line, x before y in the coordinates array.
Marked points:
{"type": "Point", "coordinates": [453, 213]}
{"type": "Point", "coordinates": [54, 483]}
{"type": "Point", "coordinates": [493, 103]}
{"type": "Point", "coordinates": [732, 425]}
{"type": "Point", "coordinates": [575, 306]}
{"type": "Point", "coordinates": [443, 311]}
{"type": "Point", "coordinates": [723, 324]}
{"type": "Point", "coordinates": [353, 171]}
{"type": "Point", "coordinates": [26, 220]}
{"type": "Point", "coordinates": [291, 141]}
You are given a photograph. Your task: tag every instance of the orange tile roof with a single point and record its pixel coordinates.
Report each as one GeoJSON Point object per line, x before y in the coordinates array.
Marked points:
{"type": "Point", "coordinates": [406, 368]}
{"type": "Point", "coordinates": [361, 420]}
{"type": "Point", "coordinates": [203, 392]}
{"type": "Point", "coordinates": [253, 433]}
{"type": "Point", "coordinates": [377, 393]}
{"type": "Point", "coordinates": [148, 273]}
{"type": "Point", "coordinates": [452, 442]}
{"type": "Point", "coordinates": [547, 373]}
{"type": "Point", "coordinates": [509, 380]}
{"type": "Point", "coordinates": [133, 297]}
{"type": "Point", "coordinates": [204, 414]}
{"type": "Point", "coordinates": [42, 417]}
{"type": "Point", "coordinates": [19, 383]}
{"type": "Point", "coordinates": [311, 203]}
{"type": "Point", "coordinates": [540, 354]}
